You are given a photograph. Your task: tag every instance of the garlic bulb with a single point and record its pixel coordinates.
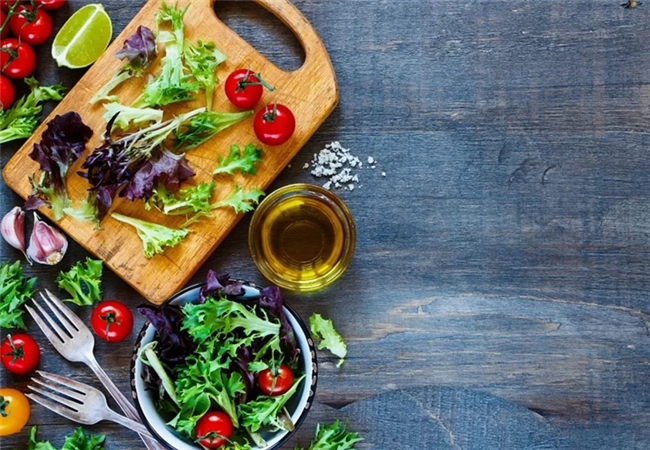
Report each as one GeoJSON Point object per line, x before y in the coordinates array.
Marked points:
{"type": "Point", "coordinates": [12, 228]}
{"type": "Point", "coordinates": [47, 245]}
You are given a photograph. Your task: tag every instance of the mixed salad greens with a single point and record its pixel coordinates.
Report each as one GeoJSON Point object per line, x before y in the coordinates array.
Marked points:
{"type": "Point", "coordinates": [78, 440]}
{"type": "Point", "coordinates": [208, 355]}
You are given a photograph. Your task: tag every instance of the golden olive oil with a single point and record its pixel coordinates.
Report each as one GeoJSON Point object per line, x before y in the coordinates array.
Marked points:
{"type": "Point", "coordinates": [302, 238]}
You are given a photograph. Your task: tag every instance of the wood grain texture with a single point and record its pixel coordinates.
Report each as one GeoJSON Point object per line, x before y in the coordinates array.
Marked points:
{"type": "Point", "coordinates": [506, 249]}
{"type": "Point", "coordinates": [309, 91]}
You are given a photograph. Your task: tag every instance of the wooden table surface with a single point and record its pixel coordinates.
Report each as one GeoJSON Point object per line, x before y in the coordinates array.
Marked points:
{"type": "Point", "coordinates": [498, 294]}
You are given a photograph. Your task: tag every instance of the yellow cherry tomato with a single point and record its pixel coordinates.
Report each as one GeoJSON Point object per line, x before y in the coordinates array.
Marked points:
{"type": "Point", "coordinates": [14, 411]}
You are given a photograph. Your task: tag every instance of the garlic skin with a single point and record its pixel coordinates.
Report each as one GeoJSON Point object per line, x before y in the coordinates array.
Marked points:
{"type": "Point", "coordinates": [12, 228]}
{"type": "Point", "coordinates": [47, 245]}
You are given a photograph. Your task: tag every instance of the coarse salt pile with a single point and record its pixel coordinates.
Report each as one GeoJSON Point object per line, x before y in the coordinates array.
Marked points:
{"type": "Point", "coordinates": [336, 164]}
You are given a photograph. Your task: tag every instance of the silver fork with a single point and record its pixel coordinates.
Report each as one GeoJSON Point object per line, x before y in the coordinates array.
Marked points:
{"type": "Point", "coordinates": [74, 341]}
{"type": "Point", "coordinates": [77, 401]}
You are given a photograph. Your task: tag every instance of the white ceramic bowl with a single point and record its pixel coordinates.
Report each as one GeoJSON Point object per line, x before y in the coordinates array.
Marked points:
{"type": "Point", "coordinates": [298, 405]}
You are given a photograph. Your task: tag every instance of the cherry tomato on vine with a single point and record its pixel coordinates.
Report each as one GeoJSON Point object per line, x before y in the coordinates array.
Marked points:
{"type": "Point", "coordinates": [51, 4]}
{"type": "Point", "coordinates": [33, 26]}
{"type": "Point", "coordinates": [244, 88]}
{"type": "Point", "coordinates": [7, 92]}
{"type": "Point", "coordinates": [19, 353]}
{"type": "Point", "coordinates": [14, 411]}
{"type": "Point", "coordinates": [17, 59]}
{"type": "Point", "coordinates": [274, 124]}
{"type": "Point", "coordinates": [5, 30]}
{"type": "Point", "coordinates": [111, 320]}
{"type": "Point", "coordinates": [214, 429]}
{"type": "Point", "coordinates": [275, 381]}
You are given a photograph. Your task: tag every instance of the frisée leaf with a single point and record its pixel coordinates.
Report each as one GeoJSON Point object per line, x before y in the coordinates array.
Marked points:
{"type": "Point", "coordinates": [154, 237]}
{"type": "Point", "coordinates": [236, 161]}
{"type": "Point", "coordinates": [82, 282]}
{"type": "Point", "coordinates": [15, 290]}
{"type": "Point", "coordinates": [330, 339]}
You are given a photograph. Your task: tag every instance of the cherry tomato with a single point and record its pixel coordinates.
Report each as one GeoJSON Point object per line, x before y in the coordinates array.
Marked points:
{"type": "Point", "coordinates": [7, 92]}
{"type": "Point", "coordinates": [51, 4]}
{"type": "Point", "coordinates": [33, 26]}
{"type": "Point", "coordinates": [5, 30]}
{"type": "Point", "coordinates": [244, 88]}
{"type": "Point", "coordinates": [275, 381]}
{"type": "Point", "coordinates": [5, 4]}
{"type": "Point", "coordinates": [20, 353]}
{"type": "Point", "coordinates": [213, 429]}
{"type": "Point", "coordinates": [274, 124]}
{"type": "Point", "coordinates": [17, 59]}
{"type": "Point", "coordinates": [14, 411]}
{"type": "Point", "coordinates": [111, 320]}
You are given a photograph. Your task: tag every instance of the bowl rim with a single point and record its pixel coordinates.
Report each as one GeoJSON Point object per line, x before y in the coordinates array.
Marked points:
{"type": "Point", "coordinates": [312, 383]}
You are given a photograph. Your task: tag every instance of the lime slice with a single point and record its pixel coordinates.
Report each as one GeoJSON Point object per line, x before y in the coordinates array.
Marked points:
{"type": "Point", "coordinates": [83, 38]}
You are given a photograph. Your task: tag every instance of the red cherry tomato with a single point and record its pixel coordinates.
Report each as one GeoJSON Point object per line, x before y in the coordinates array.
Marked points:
{"type": "Point", "coordinates": [213, 429]}
{"type": "Point", "coordinates": [20, 353]}
{"type": "Point", "coordinates": [275, 381]}
{"type": "Point", "coordinates": [7, 92]}
{"type": "Point", "coordinates": [244, 88]}
{"type": "Point", "coordinates": [274, 124]}
{"type": "Point", "coordinates": [5, 4]}
{"type": "Point", "coordinates": [111, 320]}
{"type": "Point", "coordinates": [33, 26]}
{"type": "Point", "coordinates": [51, 4]}
{"type": "Point", "coordinates": [5, 30]}
{"type": "Point", "coordinates": [17, 59]}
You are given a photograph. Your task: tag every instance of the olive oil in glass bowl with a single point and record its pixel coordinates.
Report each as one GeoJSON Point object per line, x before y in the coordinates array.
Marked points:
{"type": "Point", "coordinates": [302, 237]}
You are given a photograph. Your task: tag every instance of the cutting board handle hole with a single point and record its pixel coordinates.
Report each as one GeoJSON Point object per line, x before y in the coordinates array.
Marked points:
{"type": "Point", "coordinates": [265, 32]}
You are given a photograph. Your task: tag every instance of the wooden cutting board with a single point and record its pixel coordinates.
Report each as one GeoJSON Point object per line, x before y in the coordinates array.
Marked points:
{"type": "Point", "coordinates": [310, 91]}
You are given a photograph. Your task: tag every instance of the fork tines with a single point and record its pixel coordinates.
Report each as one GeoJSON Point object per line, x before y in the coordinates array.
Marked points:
{"type": "Point", "coordinates": [61, 395]}
{"type": "Point", "coordinates": [55, 331]}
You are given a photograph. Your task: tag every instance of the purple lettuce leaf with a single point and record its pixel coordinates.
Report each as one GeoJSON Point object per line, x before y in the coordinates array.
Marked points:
{"type": "Point", "coordinates": [174, 344]}
{"type": "Point", "coordinates": [165, 167]}
{"type": "Point", "coordinates": [217, 285]}
{"type": "Point", "coordinates": [271, 301]}
{"type": "Point", "coordinates": [139, 49]}
{"type": "Point", "coordinates": [62, 143]}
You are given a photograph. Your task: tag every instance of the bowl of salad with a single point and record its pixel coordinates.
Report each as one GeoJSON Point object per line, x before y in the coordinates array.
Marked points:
{"type": "Point", "coordinates": [223, 365]}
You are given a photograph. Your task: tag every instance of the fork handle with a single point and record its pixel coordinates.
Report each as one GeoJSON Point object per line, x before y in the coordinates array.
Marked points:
{"type": "Point", "coordinates": [128, 423]}
{"type": "Point", "coordinates": [123, 403]}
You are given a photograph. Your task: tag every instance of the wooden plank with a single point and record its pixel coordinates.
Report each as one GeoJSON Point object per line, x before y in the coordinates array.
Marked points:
{"type": "Point", "coordinates": [310, 91]}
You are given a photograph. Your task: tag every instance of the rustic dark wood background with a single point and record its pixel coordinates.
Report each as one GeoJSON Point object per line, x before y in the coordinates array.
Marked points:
{"type": "Point", "coordinates": [498, 297]}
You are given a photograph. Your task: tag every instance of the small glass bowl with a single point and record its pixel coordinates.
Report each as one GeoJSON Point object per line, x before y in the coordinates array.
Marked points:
{"type": "Point", "coordinates": [302, 237]}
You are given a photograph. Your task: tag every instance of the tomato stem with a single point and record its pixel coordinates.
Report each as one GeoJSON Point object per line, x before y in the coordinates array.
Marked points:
{"type": "Point", "coordinates": [269, 116]}
{"type": "Point", "coordinates": [241, 85]}
{"type": "Point", "coordinates": [110, 319]}
{"type": "Point", "coordinates": [213, 436]}
{"type": "Point", "coordinates": [16, 352]}
{"type": "Point", "coordinates": [10, 13]}
{"type": "Point", "coordinates": [3, 406]}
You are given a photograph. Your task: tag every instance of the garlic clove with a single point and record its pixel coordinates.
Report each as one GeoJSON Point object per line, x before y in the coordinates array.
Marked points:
{"type": "Point", "coordinates": [12, 228]}
{"type": "Point", "coordinates": [47, 245]}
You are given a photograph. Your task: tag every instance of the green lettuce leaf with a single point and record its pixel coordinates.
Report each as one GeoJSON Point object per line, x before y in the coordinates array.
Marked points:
{"type": "Point", "coordinates": [264, 411]}
{"type": "Point", "coordinates": [15, 289]}
{"type": "Point", "coordinates": [330, 339]}
{"type": "Point", "coordinates": [236, 161]}
{"type": "Point", "coordinates": [82, 282]}
{"type": "Point", "coordinates": [333, 437]}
